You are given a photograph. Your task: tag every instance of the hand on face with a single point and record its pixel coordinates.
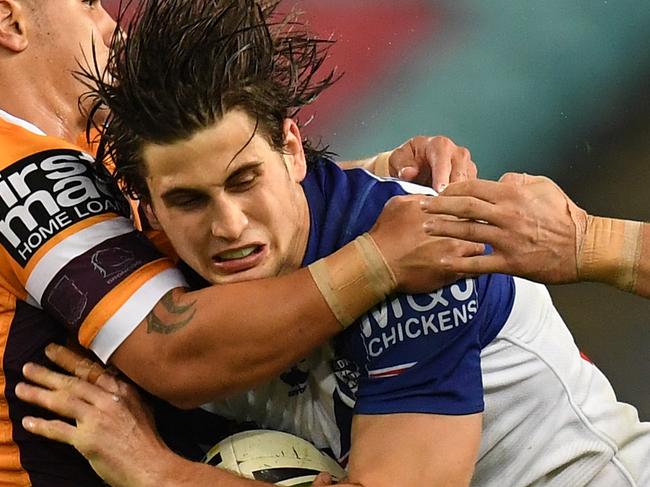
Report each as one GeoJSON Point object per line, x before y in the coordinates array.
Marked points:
{"type": "Point", "coordinates": [433, 161]}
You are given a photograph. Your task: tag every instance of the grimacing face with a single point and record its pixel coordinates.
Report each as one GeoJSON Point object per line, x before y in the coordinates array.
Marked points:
{"type": "Point", "coordinates": [233, 210]}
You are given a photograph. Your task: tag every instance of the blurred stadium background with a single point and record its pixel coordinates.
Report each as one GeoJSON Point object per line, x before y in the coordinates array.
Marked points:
{"type": "Point", "coordinates": [558, 87]}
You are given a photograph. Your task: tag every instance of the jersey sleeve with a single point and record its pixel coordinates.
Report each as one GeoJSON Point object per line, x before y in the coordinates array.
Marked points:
{"type": "Point", "coordinates": [67, 248]}
{"type": "Point", "coordinates": [421, 354]}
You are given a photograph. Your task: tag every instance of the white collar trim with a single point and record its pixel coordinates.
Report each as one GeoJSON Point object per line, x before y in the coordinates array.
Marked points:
{"type": "Point", "coordinates": [22, 123]}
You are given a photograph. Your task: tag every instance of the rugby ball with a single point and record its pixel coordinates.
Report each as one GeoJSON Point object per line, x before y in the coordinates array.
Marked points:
{"type": "Point", "coordinates": [274, 457]}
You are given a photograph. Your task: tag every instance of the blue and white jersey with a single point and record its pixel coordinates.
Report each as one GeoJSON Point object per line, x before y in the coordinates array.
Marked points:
{"type": "Point", "coordinates": [414, 353]}
{"type": "Point", "coordinates": [494, 344]}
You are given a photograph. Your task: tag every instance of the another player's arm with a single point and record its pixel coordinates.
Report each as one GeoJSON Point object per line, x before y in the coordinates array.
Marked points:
{"type": "Point", "coordinates": [196, 346]}
{"type": "Point", "coordinates": [411, 450]}
{"type": "Point", "coordinates": [537, 232]}
{"type": "Point", "coordinates": [113, 428]}
{"type": "Point", "coordinates": [434, 161]}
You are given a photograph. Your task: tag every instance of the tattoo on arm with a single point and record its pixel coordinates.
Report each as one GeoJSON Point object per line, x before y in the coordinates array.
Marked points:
{"type": "Point", "coordinates": [178, 316]}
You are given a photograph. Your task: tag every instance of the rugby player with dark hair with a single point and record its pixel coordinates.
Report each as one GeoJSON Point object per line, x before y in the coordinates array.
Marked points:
{"type": "Point", "coordinates": [478, 383]}
{"type": "Point", "coordinates": [73, 267]}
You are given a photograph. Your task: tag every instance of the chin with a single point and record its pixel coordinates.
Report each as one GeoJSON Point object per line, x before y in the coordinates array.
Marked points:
{"type": "Point", "coordinates": [247, 275]}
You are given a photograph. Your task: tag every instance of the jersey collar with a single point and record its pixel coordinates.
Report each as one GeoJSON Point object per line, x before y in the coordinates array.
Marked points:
{"type": "Point", "coordinates": [20, 122]}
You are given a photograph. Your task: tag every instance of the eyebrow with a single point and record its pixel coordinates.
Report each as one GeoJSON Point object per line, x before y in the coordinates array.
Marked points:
{"type": "Point", "coordinates": [180, 191]}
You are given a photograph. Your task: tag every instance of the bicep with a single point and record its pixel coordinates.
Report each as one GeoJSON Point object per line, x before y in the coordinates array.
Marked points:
{"type": "Point", "coordinates": [413, 449]}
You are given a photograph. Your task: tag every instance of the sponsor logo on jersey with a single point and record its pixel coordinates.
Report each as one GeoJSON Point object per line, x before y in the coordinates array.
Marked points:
{"type": "Point", "coordinates": [44, 194]}
{"type": "Point", "coordinates": [412, 317]}
{"type": "Point", "coordinates": [347, 376]}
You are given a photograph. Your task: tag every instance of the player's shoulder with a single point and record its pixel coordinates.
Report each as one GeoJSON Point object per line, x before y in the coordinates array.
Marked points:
{"type": "Point", "coordinates": [21, 141]}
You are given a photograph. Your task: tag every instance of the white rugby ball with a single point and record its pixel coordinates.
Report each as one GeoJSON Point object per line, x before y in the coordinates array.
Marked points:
{"type": "Point", "coordinates": [274, 457]}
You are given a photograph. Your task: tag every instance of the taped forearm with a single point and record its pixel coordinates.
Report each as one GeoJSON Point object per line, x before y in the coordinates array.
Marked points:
{"type": "Point", "coordinates": [354, 279]}
{"type": "Point", "coordinates": [240, 335]}
{"type": "Point", "coordinates": [616, 252]}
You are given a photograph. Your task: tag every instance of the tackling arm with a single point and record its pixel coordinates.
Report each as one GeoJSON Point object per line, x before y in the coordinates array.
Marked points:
{"type": "Point", "coordinates": [197, 346]}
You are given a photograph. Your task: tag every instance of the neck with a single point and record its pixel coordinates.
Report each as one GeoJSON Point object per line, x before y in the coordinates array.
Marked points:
{"type": "Point", "coordinates": [55, 113]}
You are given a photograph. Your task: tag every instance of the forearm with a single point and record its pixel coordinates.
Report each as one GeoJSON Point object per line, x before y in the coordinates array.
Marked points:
{"type": "Point", "coordinates": [238, 336]}
{"type": "Point", "coordinates": [198, 346]}
{"type": "Point", "coordinates": [174, 470]}
{"type": "Point", "coordinates": [616, 252]}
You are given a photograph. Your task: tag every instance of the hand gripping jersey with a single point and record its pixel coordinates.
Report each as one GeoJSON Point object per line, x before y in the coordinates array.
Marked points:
{"type": "Point", "coordinates": [494, 344]}
{"type": "Point", "coordinates": [71, 267]}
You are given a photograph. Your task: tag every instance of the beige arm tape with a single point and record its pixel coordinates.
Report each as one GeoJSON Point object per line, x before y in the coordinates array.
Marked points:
{"type": "Point", "coordinates": [354, 279]}
{"type": "Point", "coordinates": [381, 166]}
{"type": "Point", "coordinates": [611, 252]}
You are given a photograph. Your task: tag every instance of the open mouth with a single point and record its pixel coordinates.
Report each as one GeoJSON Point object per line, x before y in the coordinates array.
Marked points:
{"type": "Point", "coordinates": [237, 254]}
{"type": "Point", "coordinates": [241, 259]}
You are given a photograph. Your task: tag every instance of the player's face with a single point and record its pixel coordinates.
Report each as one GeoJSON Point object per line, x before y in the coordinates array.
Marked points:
{"type": "Point", "coordinates": [63, 33]}
{"type": "Point", "coordinates": [231, 205]}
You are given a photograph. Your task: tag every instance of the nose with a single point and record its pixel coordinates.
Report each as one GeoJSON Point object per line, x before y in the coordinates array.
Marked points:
{"type": "Point", "coordinates": [106, 26]}
{"type": "Point", "coordinates": [229, 221]}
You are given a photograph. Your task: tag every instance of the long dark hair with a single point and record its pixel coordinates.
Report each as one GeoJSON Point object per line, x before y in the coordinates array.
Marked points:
{"type": "Point", "coordinates": [182, 64]}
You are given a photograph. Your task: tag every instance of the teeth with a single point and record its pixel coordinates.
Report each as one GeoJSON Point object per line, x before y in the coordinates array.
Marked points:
{"type": "Point", "coordinates": [237, 254]}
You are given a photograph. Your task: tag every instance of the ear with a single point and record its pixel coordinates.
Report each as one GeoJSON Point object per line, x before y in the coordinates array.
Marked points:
{"type": "Point", "coordinates": [151, 215]}
{"type": "Point", "coordinates": [294, 153]}
{"type": "Point", "coordinates": [13, 35]}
